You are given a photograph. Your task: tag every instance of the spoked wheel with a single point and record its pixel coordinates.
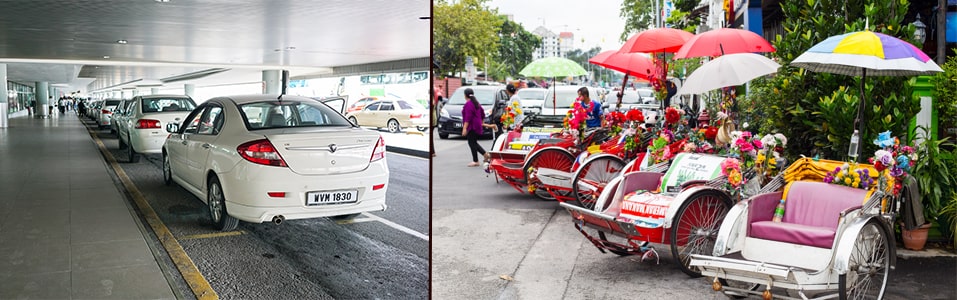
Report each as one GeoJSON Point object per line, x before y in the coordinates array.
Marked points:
{"type": "Point", "coordinates": [393, 126]}
{"type": "Point", "coordinates": [695, 227]}
{"type": "Point", "coordinates": [131, 154]}
{"type": "Point", "coordinates": [167, 171]}
{"type": "Point", "coordinates": [216, 202]}
{"type": "Point", "coordinates": [868, 265]}
{"type": "Point", "coordinates": [591, 178]}
{"type": "Point", "coordinates": [556, 159]}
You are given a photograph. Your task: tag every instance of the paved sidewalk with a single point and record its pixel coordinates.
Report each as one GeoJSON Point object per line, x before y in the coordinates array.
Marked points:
{"type": "Point", "coordinates": [66, 230]}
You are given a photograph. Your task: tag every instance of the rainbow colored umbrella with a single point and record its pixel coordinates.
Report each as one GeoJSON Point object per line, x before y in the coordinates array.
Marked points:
{"type": "Point", "coordinates": [864, 52]}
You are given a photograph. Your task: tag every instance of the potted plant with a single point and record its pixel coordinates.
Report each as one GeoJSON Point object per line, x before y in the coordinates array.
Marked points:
{"type": "Point", "coordinates": [932, 170]}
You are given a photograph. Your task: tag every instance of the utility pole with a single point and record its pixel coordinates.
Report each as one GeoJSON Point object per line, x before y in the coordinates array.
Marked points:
{"type": "Point", "coordinates": [941, 33]}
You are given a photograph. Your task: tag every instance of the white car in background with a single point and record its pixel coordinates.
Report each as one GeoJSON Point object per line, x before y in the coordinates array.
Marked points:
{"type": "Point", "coordinates": [104, 115]}
{"type": "Point", "coordinates": [532, 99]}
{"type": "Point", "coordinates": [144, 119]}
{"type": "Point", "coordinates": [257, 158]}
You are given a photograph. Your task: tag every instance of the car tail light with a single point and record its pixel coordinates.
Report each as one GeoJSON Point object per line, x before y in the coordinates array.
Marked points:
{"type": "Point", "coordinates": [147, 123]}
{"type": "Point", "coordinates": [378, 186]}
{"type": "Point", "coordinates": [276, 194]}
{"type": "Point", "coordinates": [261, 152]}
{"type": "Point", "coordinates": [415, 116]}
{"type": "Point", "coordinates": [106, 111]}
{"type": "Point", "coordinates": [379, 151]}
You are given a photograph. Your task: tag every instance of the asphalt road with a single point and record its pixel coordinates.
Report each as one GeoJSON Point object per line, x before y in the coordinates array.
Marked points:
{"type": "Point", "coordinates": [379, 255]}
{"type": "Point", "coordinates": [492, 242]}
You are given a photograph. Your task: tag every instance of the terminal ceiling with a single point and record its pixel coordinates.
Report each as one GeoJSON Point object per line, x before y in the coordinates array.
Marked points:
{"type": "Point", "coordinates": [112, 44]}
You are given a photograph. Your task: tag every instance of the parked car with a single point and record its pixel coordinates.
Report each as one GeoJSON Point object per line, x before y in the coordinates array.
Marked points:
{"type": "Point", "coordinates": [256, 158]}
{"type": "Point", "coordinates": [493, 99]}
{"type": "Point", "coordinates": [360, 104]}
{"type": "Point", "coordinates": [393, 114]}
{"type": "Point", "coordinates": [105, 115]}
{"type": "Point", "coordinates": [532, 99]}
{"type": "Point", "coordinates": [143, 121]}
{"type": "Point", "coordinates": [118, 115]}
{"type": "Point", "coordinates": [565, 96]}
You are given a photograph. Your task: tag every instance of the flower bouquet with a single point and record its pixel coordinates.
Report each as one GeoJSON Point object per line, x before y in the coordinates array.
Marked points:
{"type": "Point", "coordinates": [856, 178]}
{"type": "Point", "coordinates": [508, 117]}
{"type": "Point", "coordinates": [894, 158]}
{"type": "Point", "coordinates": [731, 168]}
{"type": "Point", "coordinates": [574, 121]}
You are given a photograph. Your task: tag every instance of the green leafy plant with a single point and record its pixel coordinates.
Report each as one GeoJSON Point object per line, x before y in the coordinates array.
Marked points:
{"type": "Point", "coordinates": [945, 93]}
{"type": "Point", "coordinates": [950, 212]}
{"type": "Point", "coordinates": [934, 174]}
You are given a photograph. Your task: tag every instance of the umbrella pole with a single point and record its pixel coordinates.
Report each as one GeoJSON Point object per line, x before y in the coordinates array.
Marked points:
{"type": "Point", "coordinates": [860, 111]}
{"type": "Point", "coordinates": [621, 93]}
{"type": "Point", "coordinates": [554, 102]}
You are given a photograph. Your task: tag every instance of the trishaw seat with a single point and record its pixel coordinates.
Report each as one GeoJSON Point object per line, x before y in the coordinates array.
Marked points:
{"type": "Point", "coordinates": [811, 213]}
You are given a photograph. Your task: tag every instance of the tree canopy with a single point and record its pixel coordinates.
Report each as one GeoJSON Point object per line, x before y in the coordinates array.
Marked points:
{"type": "Point", "coordinates": [465, 28]}
{"type": "Point", "coordinates": [516, 47]}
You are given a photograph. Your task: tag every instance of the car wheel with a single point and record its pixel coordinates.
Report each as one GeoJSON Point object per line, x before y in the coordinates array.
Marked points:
{"type": "Point", "coordinates": [216, 201]}
{"type": "Point", "coordinates": [354, 121]}
{"type": "Point", "coordinates": [394, 126]}
{"type": "Point", "coordinates": [120, 141]}
{"type": "Point", "coordinates": [345, 217]}
{"type": "Point", "coordinates": [443, 135]}
{"type": "Point", "coordinates": [131, 154]}
{"type": "Point", "coordinates": [421, 128]}
{"type": "Point", "coordinates": [167, 170]}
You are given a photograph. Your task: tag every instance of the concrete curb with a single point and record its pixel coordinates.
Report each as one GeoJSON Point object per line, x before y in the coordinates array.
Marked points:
{"type": "Point", "coordinates": [406, 151]}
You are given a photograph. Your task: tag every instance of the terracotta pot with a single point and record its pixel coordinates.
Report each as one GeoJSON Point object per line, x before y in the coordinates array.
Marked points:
{"type": "Point", "coordinates": [915, 239]}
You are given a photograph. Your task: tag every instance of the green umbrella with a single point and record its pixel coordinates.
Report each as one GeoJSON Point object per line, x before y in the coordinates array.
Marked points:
{"type": "Point", "coordinates": [553, 67]}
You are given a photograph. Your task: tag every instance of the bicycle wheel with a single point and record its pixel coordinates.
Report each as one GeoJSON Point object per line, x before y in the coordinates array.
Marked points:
{"type": "Point", "coordinates": [551, 158]}
{"type": "Point", "coordinates": [591, 178]}
{"type": "Point", "coordinates": [696, 225]}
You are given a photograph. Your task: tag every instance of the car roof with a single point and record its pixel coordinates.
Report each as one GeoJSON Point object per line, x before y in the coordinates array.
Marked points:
{"type": "Point", "coordinates": [164, 96]}
{"type": "Point", "coordinates": [240, 99]}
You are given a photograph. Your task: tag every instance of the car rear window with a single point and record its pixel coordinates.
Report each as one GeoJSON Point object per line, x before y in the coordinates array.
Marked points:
{"type": "Point", "coordinates": [167, 104]}
{"type": "Point", "coordinates": [112, 102]}
{"type": "Point", "coordinates": [285, 114]}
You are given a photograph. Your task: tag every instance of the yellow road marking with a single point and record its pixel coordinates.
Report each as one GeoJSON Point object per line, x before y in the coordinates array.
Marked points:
{"type": "Point", "coordinates": [212, 235]}
{"type": "Point", "coordinates": [197, 283]}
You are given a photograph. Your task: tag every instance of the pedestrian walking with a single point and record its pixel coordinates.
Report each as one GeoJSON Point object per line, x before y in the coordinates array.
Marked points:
{"type": "Point", "coordinates": [50, 104]}
{"type": "Point", "coordinates": [61, 105]}
{"type": "Point", "coordinates": [473, 126]}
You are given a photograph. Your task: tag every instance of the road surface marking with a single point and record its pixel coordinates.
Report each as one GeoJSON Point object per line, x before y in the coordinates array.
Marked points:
{"type": "Point", "coordinates": [397, 226]}
{"type": "Point", "coordinates": [197, 283]}
{"type": "Point", "coordinates": [212, 235]}
{"type": "Point", "coordinates": [362, 220]}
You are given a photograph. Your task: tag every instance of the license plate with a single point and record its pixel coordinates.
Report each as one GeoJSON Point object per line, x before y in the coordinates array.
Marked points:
{"type": "Point", "coordinates": [458, 125]}
{"type": "Point", "coordinates": [333, 197]}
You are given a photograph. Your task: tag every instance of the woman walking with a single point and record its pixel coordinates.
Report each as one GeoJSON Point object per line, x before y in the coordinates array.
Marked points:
{"type": "Point", "coordinates": [473, 126]}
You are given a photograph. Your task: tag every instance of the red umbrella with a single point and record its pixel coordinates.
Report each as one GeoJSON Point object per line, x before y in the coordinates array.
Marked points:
{"type": "Point", "coordinates": [657, 40]}
{"type": "Point", "coordinates": [723, 41]}
{"type": "Point", "coordinates": [632, 64]}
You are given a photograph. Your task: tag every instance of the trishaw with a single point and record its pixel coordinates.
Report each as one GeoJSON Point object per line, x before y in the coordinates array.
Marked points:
{"type": "Point", "coordinates": [520, 167]}
{"type": "Point", "coordinates": [680, 203]}
{"type": "Point", "coordinates": [831, 241]}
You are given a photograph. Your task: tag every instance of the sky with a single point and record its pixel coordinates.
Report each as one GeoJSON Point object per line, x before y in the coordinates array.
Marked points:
{"type": "Point", "coordinates": [595, 20]}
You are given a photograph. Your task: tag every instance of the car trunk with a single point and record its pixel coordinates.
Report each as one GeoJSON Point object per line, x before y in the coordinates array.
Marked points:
{"type": "Point", "coordinates": [324, 152]}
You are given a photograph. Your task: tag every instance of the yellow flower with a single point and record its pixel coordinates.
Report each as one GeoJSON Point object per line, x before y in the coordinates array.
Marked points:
{"type": "Point", "coordinates": [847, 180]}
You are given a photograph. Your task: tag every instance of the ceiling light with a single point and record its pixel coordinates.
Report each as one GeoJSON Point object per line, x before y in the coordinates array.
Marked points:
{"type": "Point", "coordinates": [162, 1]}
{"type": "Point", "coordinates": [121, 41]}
{"type": "Point", "coordinates": [290, 48]}
{"type": "Point", "coordinates": [106, 56]}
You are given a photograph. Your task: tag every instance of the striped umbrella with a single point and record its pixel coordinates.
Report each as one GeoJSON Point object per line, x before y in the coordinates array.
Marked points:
{"type": "Point", "coordinates": [863, 53]}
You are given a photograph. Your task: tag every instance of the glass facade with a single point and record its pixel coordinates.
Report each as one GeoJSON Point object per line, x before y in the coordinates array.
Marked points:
{"type": "Point", "coordinates": [19, 96]}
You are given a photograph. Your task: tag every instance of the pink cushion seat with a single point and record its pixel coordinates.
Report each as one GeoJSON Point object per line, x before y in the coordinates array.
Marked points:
{"type": "Point", "coordinates": [811, 213]}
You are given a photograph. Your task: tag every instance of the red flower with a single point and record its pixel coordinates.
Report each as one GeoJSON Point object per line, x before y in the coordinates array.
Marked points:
{"type": "Point", "coordinates": [711, 133]}
{"type": "Point", "coordinates": [671, 116]}
{"type": "Point", "coordinates": [635, 115]}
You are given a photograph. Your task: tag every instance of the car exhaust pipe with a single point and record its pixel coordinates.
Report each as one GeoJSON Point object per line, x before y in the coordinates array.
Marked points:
{"type": "Point", "coordinates": [278, 219]}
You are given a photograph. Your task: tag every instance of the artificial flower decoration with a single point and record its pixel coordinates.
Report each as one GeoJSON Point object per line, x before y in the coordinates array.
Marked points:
{"type": "Point", "coordinates": [843, 175]}
{"type": "Point", "coordinates": [508, 117]}
{"type": "Point", "coordinates": [672, 115]}
{"type": "Point", "coordinates": [731, 167]}
{"type": "Point", "coordinates": [884, 139]}
{"type": "Point", "coordinates": [711, 133]}
{"type": "Point", "coordinates": [635, 115]}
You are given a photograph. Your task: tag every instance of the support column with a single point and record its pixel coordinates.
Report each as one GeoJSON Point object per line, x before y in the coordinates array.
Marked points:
{"type": "Point", "coordinates": [154, 91]}
{"type": "Point", "coordinates": [42, 103]}
{"type": "Point", "coordinates": [4, 105]}
{"type": "Point", "coordinates": [271, 82]}
{"type": "Point", "coordinates": [189, 89]}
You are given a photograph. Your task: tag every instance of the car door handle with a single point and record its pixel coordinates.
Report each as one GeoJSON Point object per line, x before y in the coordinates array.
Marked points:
{"type": "Point", "coordinates": [206, 146]}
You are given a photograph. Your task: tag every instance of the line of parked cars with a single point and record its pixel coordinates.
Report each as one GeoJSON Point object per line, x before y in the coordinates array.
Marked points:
{"type": "Point", "coordinates": [257, 158]}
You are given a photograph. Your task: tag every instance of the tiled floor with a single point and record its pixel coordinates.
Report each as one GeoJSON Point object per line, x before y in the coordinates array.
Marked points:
{"type": "Point", "coordinates": [66, 231]}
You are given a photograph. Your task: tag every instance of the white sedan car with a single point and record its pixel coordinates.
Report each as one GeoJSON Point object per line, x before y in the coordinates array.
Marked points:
{"type": "Point", "coordinates": [257, 158]}
{"type": "Point", "coordinates": [143, 120]}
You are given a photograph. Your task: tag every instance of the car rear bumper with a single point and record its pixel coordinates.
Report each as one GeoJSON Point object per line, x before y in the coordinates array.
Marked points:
{"type": "Point", "coordinates": [148, 141]}
{"type": "Point", "coordinates": [247, 185]}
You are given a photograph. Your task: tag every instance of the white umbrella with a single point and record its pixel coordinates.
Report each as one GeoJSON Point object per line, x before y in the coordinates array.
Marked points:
{"type": "Point", "coordinates": [727, 70]}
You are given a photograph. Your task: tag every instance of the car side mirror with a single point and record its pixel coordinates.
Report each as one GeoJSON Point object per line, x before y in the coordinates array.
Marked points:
{"type": "Point", "coordinates": [172, 127]}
